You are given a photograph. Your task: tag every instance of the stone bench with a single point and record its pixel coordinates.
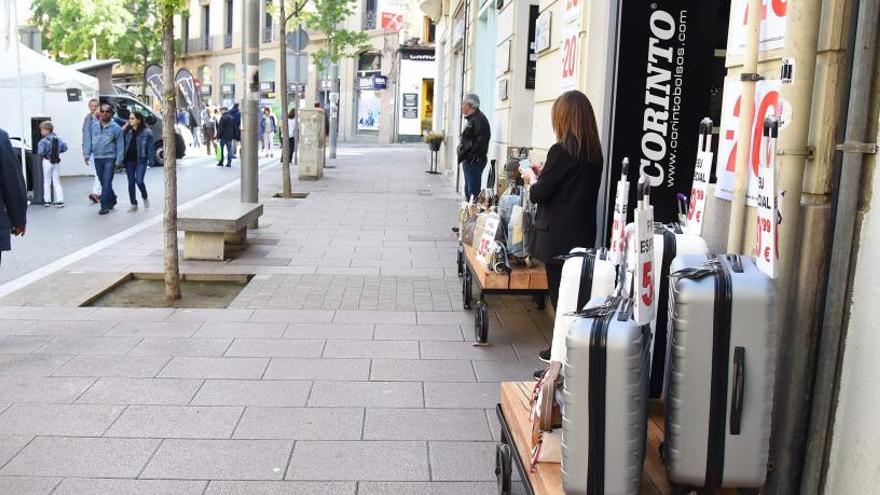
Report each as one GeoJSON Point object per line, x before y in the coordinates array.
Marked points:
{"type": "Point", "coordinates": [209, 228]}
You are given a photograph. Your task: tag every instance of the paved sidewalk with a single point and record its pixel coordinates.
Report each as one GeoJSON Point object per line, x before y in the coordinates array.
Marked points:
{"type": "Point", "coordinates": [346, 366]}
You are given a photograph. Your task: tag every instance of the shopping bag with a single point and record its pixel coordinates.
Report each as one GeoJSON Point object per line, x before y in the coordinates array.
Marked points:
{"type": "Point", "coordinates": [218, 152]}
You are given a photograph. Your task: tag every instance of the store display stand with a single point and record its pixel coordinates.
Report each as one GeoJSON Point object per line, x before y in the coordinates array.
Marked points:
{"type": "Point", "coordinates": [435, 156]}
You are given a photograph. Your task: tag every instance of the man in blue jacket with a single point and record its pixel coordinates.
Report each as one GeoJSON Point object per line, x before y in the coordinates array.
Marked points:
{"type": "Point", "coordinates": [106, 144]}
{"type": "Point", "coordinates": [13, 196]}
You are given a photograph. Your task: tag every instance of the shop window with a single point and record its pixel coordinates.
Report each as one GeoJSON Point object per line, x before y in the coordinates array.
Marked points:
{"type": "Point", "coordinates": [369, 62]}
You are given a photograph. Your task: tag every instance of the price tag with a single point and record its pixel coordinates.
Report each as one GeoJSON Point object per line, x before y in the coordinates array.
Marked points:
{"type": "Point", "coordinates": [569, 59]}
{"type": "Point", "coordinates": [618, 227]}
{"type": "Point", "coordinates": [697, 207]}
{"type": "Point", "coordinates": [767, 234]}
{"type": "Point", "coordinates": [644, 270]}
{"type": "Point", "coordinates": [487, 242]}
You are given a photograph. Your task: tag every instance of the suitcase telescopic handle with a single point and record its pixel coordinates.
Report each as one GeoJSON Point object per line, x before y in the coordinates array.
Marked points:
{"type": "Point", "coordinates": [738, 391]}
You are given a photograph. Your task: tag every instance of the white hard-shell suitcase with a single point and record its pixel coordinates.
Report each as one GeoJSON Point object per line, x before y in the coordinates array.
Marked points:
{"type": "Point", "coordinates": [605, 400]}
{"type": "Point", "coordinates": [586, 274]}
{"type": "Point", "coordinates": [722, 354]}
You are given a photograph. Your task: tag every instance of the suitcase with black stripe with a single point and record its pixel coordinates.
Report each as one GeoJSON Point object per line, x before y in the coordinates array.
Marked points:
{"type": "Point", "coordinates": [586, 274]}
{"type": "Point", "coordinates": [722, 355]}
{"type": "Point", "coordinates": [605, 400]}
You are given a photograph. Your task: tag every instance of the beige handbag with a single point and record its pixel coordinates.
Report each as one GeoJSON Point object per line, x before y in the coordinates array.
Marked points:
{"type": "Point", "coordinates": [546, 413]}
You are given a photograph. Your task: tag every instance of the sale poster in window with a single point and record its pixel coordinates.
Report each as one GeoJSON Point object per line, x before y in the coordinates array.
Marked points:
{"type": "Point", "coordinates": [369, 111]}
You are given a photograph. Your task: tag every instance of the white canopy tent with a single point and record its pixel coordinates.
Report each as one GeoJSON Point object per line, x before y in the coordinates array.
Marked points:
{"type": "Point", "coordinates": [40, 89]}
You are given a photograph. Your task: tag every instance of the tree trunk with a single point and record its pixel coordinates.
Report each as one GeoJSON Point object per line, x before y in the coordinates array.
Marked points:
{"type": "Point", "coordinates": [169, 117]}
{"type": "Point", "coordinates": [144, 64]}
{"type": "Point", "coordinates": [285, 134]}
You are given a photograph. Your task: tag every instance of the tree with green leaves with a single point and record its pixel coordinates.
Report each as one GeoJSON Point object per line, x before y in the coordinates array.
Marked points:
{"type": "Point", "coordinates": [71, 29]}
{"type": "Point", "coordinates": [326, 18]}
{"type": "Point", "coordinates": [142, 45]}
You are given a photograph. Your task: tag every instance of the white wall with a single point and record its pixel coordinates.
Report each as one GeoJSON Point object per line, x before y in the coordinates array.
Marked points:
{"type": "Point", "coordinates": [411, 74]}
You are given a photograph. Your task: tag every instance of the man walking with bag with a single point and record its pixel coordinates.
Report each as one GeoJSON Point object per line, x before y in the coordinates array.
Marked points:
{"type": "Point", "coordinates": [474, 145]}
{"type": "Point", "coordinates": [13, 196]}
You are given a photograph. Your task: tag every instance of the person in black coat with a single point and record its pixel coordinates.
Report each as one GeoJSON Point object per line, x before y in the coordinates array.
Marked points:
{"type": "Point", "coordinates": [13, 196]}
{"type": "Point", "coordinates": [566, 187]}
{"type": "Point", "coordinates": [226, 133]}
{"type": "Point", "coordinates": [474, 145]}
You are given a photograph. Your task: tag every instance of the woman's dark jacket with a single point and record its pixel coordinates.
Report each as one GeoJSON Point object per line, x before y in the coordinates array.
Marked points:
{"type": "Point", "coordinates": [566, 193]}
{"type": "Point", "coordinates": [146, 145]}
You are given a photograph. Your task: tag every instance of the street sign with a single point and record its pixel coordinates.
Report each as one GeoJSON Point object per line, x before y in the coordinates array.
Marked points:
{"type": "Point", "coordinates": [297, 40]}
{"type": "Point", "coordinates": [298, 61]}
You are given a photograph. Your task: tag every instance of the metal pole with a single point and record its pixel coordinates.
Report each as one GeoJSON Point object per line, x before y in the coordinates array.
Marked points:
{"type": "Point", "coordinates": [250, 55]}
{"type": "Point", "coordinates": [13, 38]}
{"type": "Point", "coordinates": [333, 107]}
{"type": "Point", "coordinates": [736, 231]}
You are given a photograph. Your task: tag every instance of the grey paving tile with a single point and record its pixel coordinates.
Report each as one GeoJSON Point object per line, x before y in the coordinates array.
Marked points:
{"type": "Point", "coordinates": [301, 423]}
{"type": "Point", "coordinates": [44, 313]}
{"type": "Point", "coordinates": [248, 329]}
{"type": "Point", "coordinates": [67, 328]}
{"type": "Point", "coordinates": [375, 317]}
{"type": "Point", "coordinates": [14, 327]}
{"type": "Point", "coordinates": [89, 346]}
{"type": "Point", "coordinates": [85, 486]}
{"type": "Point", "coordinates": [280, 488]}
{"type": "Point", "coordinates": [42, 389]}
{"type": "Point", "coordinates": [371, 349]}
{"type": "Point", "coordinates": [462, 461]}
{"type": "Point", "coordinates": [215, 367]}
{"type": "Point", "coordinates": [253, 393]}
{"type": "Point", "coordinates": [20, 344]}
{"type": "Point", "coordinates": [421, 370]}
{"type": "Point", "coordinates": [154, 329]}
{"type": "Point", "coordinates": [82, 457]}
{"type": "Point", "coordinates": [366, 394]}
{"type": "Point", "coordinates": [426, 424]}
{"type": "Point", "coordinates": [219, 460]}
{"type": "Point", "coordinates": [507, 371]}
{"type": "Point", "coordinates": [419, 332]}
{"type": "Point", "coordinates": [317, 460]}
{"type": "Point", "coordinates": [466, 350]}
{"type": "Point", "coordinates": [445, 318]}
{"type": "Point", "coordinates": [318, 369]}
{"type": "Point", "coordinates": [75, 420]}
{"type": "Point", "coordinates": [162, 346]}
{"type": "Point", "coordinates": [275, 348]}
{"type": "Point", "coordinates": [329, 331]}
{"type": "Point", "coordinates": [150, 391]}
{"type": "Point", "coordinates": [203, 315]}
{"type": "Point", "coordinates": [424, 488]}
{"type": "Point", "coordinates": [31, 364]}
{"type": "Point", "coordinates": [176, 422]}
{"type": "Point", "coordinates": [130, 314]}
{"type": "Point", "coordinates": [293, 315]}
{"type": "Point", "coordinates": [20, 485]}
{"type": "Point", "coordinates": [462, 395]}
{"type": "Point", "coordinates": [113, 366]}
{"type": "Point", "coordinates": [10, 445]}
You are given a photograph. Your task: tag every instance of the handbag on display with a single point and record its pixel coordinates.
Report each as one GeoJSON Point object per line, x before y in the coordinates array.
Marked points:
{"type": "Point", "coordinates": [546, 413]}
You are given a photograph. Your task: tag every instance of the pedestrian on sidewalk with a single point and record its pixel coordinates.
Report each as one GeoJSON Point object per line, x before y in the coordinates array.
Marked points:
{"type": "Point", "coordinates": [194, 128]}
{"type": "Point", "coordinates": [49, 150]}
{"type": "Point", "coordinates": [105, 143]}
{"type": "Point", "coordinates": [235, 113]}
{"type": "Point", "coordinates": [13, 194]}
{"type": "Point", "coordinates": [291, 134]}
{"type": "Point", "coordinates": [92, 117]}
{"type": "Point", "coordinates": [318, 106]}
{"type": "Point", "coordinates": [566, 188]}
{"type": "Point", "coordinates": [226, 134]}
{"type": "Point", "coordinates": [267, 130]}
{"type": "Point", "coordinates": [140, 150]}
{"type": "Point", "coordinates": [209, 129]}
{"type": "Point", "coordinates": [474, 146]}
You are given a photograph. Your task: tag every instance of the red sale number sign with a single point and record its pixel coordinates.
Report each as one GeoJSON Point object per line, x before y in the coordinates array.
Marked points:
{"type": "Point", "coordinates": [773, 17]}
{"type": "Point", "coordinates": [644, 269]}
{"type": "Point", "coordinates": [767, 241]}
{"type": "Point", "coordinates": [569, 60]}
{"type": "Point", "coordinates": [697, 207]}
{"type": "Point", "coordinates": [487, 241]}
{"type": "Point", "coordinates": [618, 228]}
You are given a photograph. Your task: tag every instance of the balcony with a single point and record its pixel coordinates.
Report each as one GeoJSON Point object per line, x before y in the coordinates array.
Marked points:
{"type": "Point", "coordinates": [268, 35]}
{"type": "Point", "coordinates": [227, 40]}
{"type": "Point", "coordinates": [196, 45]}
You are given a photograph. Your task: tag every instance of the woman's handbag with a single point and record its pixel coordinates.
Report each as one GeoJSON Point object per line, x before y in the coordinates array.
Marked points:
{"type": "Point", "coordinates": [546, 413]}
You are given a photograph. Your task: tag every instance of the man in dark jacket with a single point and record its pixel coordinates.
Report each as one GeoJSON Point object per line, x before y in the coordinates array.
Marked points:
{"type": "Point", "coordinates": [13, 196]}
{"type": "Point", "coordinates": [226, 135]}
{"type": "Point", "coordinates": [474, 145]}
{"type": "Point", "coordinates": [235, 113]}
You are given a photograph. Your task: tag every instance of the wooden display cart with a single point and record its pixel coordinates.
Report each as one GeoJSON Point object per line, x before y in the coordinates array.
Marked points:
{"type": "Point", "coordinates": [522, 281]}
{"type": "Point", "coordinates": [514, 450]}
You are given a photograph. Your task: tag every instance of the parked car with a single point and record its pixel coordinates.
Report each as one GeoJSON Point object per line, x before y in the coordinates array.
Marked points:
{"type": "Point", "coordinates": [123, 105]}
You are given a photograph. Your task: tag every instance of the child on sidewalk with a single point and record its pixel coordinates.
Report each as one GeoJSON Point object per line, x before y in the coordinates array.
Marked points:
{"type": "Point", "coordinates": [50, 149]}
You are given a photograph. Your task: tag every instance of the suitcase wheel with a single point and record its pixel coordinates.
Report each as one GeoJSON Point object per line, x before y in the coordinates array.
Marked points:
{"type": "Point", "coordinates": [467, 289]}
{"type": "Point", "coordinates": [503, 466]}
{"type": "Point", "coordinates": [460, 261]}
{"type": "Point", "coordinates": [481, 322]}
{"type": "Point", "coordinates": [540, 301]}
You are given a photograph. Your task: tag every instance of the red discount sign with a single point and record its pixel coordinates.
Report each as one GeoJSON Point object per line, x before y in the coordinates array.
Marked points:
{"type": "Point", "coordinates": [569, 60]}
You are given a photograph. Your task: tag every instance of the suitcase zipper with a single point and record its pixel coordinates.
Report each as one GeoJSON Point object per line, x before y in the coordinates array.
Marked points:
{"type": "Point", "coordinates": [596, 400]}
{"type": "Point", "coordinates": [660, 331]}
{"type": "Point", "coordinates": [721, 328]}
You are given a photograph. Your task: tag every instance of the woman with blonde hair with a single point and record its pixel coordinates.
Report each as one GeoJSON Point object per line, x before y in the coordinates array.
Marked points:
{"type": "Point", "coordinates": [566, 187]}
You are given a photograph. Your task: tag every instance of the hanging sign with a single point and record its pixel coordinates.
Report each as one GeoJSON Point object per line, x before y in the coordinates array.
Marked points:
{"type": "Point", "coordinates": [665, 58]}
{"type": "Point", "coordinates": [618, 228]}
{"type": "Point", "coordinates": [154, 79]}
{"type": "Point", "coordinates": [487, 242]}
{"type": "Point", "coordinates": [569, 67]}
{"type": "Point", "coordinates": [542, 32]}
{"type": "Point", "coordinates": [767, 242]}
{"type": "Point", "coordinates": [702, 170]}
{"type": "Point", "coordinates": [644, 270]}
{"type": "Point", "coordinates": [767, 103]}
{"type": "Point", "coordinates": [773, 18]}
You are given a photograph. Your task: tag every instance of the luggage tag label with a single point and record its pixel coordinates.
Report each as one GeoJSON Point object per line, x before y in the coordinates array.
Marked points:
{"type": "Point", "coordinates": [487, 242]}
{"type": "Point", "coordinates": [644, 269]}
{"type": "Point", "coordinates": [767, 241]}
{"type": "Point", "coordinates": [618, 227]}
{"type": "Point", "coordinates": [697, 207]}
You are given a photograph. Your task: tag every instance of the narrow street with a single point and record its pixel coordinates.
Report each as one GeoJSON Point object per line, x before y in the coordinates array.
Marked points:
{"type": "Point", "coordinates": [346, 366]}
